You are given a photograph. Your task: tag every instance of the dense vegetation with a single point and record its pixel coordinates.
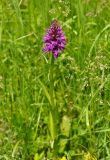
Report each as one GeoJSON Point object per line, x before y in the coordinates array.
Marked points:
{"type": "Point", "coordinates": [80, 79]}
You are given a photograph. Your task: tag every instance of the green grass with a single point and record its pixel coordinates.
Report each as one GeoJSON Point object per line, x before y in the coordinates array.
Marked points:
{"type": "Point", "coordinates": [81, 80]}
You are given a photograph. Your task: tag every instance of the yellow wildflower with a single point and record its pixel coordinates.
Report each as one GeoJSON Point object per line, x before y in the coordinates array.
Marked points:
{"type": "Point", "coordinates": [63, 158]}
{"type": "Point", "coordinates": [88, 156]}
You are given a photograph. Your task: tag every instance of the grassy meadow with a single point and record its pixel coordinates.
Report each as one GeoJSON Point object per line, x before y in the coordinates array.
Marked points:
{"type": "Point", "coordinates": [60, 111]}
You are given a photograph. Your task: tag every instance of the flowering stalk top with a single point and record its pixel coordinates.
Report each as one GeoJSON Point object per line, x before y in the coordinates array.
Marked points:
{"type": "Point", "coordinates": [54, 40]}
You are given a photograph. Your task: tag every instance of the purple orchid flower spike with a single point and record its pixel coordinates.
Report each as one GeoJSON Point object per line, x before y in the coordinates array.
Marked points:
{"type": "Point", "coordinates": [54, 40]}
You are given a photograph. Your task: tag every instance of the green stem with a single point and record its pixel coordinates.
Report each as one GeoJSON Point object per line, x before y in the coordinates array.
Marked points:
{"type": "Point", "coordinates": [52, 80]}
{"type": "Point", "coordinates": [52, 119]}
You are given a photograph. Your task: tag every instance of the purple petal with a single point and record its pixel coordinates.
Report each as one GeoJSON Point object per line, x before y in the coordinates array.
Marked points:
{"type": "Point", "coordinates": [56, 55]}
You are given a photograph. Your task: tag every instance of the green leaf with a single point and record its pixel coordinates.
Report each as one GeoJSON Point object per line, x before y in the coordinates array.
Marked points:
{"type": "Point", "coordinates": [45, 91]}
{"type": "Point", "coordinates": [15, 148]}
{"type": "Point", "coordinates": [52, 126]}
